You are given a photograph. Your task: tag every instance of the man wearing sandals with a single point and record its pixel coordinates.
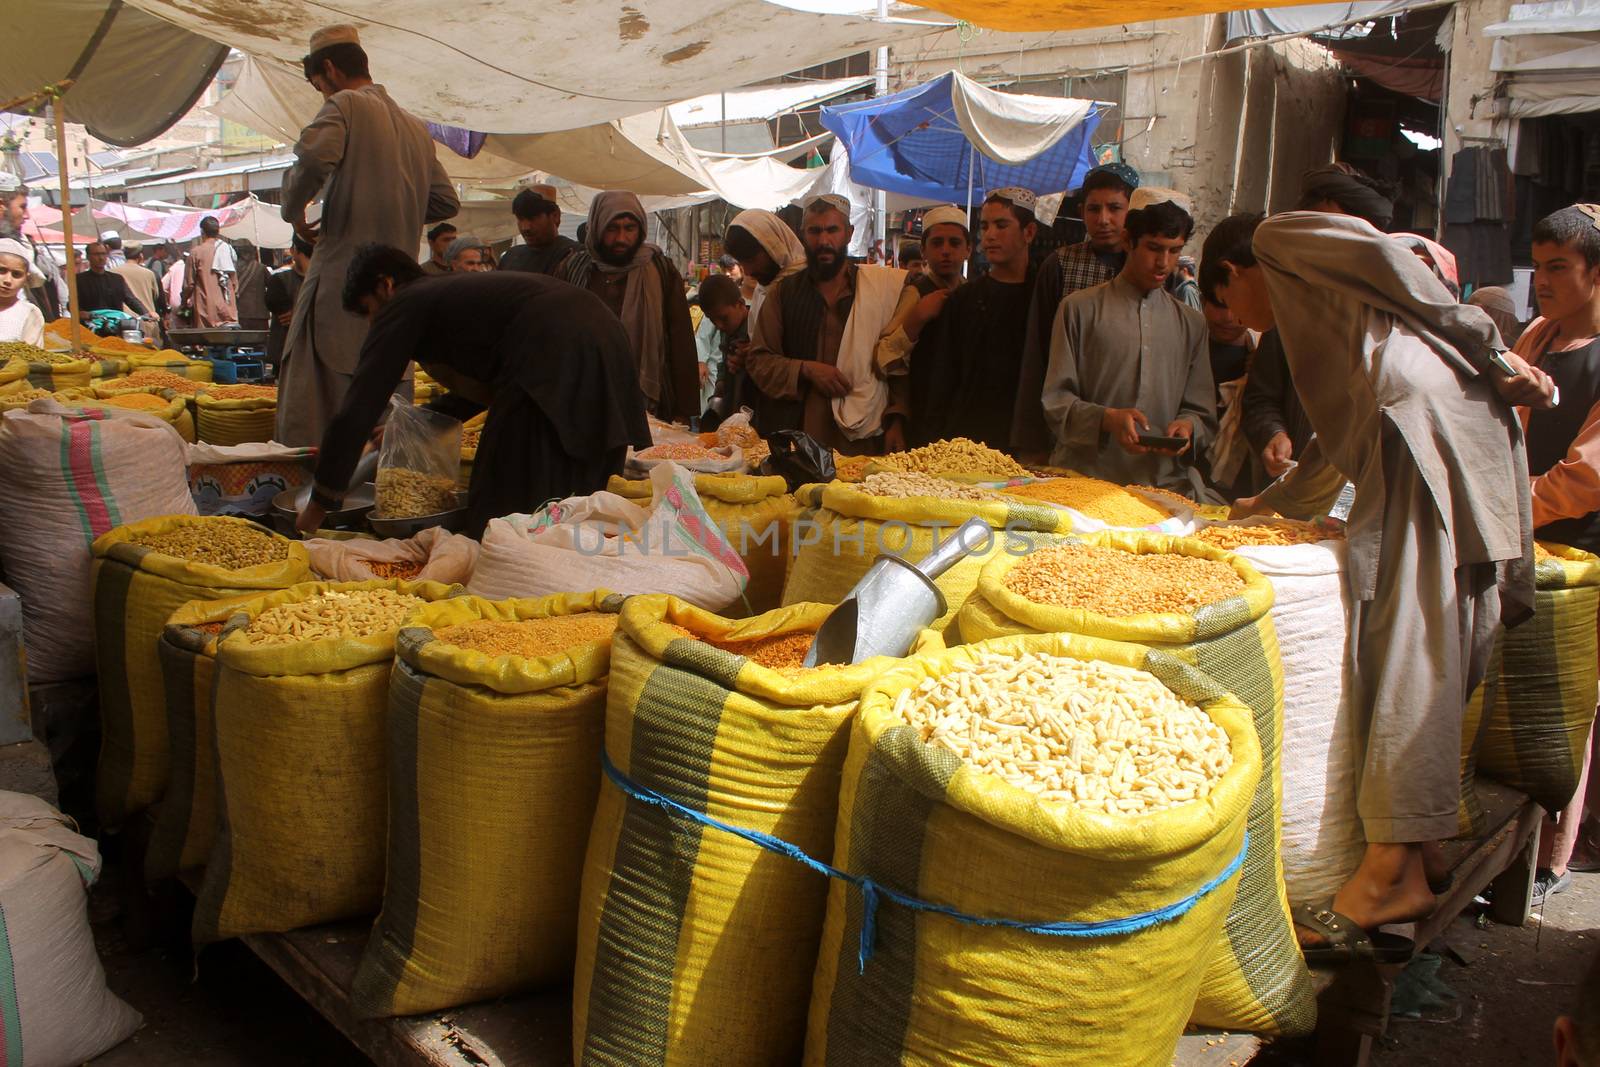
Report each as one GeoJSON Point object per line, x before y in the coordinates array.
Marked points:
{"type": "Point", "coordinates": [1410, 398]}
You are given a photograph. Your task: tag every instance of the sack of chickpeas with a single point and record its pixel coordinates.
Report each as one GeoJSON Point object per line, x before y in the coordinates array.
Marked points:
{"type": "Point", "coordinates": [694, 944]}
{"type": "Point", "coordinates": [496, 712]}
{"type": "Point", "coordinates": [143, 572]}
{"type": "Point", "coordinates": [300, 707]}
{"type": "Point", "coordinates": [1210, 608]}
{"type": "Point", "coordinates": [1038, 840]}
{"type": "Point", "coordinates": [433, 555]}
{"type": "Point", "coordinates": [847, 527]}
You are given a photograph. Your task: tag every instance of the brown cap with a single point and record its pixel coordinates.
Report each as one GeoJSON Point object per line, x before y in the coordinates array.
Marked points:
{"type": "Point", "coordinates": [328, 36]}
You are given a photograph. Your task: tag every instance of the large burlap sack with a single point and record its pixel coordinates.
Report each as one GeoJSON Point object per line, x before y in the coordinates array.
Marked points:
{"type": "Point", "coordinates": [602, 541]}
{"type": "Point", "coordinates": [755, 515]}
{"type": "Point", "coordinates": [55, 1009]}
{"type": "Point", "coordinates": [438, 555]}
{"type": "Point", "coordinates": [489, 756]}
{"type": "Point", "coordinates": [66, 478]}
{"type": "Point", "coordinates": [1258, 980]}
{"type": "Point", "coordinates": [302, 780]}
{"type": "Point", "coordinates": [842, 530]}
{"type": "Point", "coordinates": [697, 946]}
{"type": "Point", "coordinates": [1320, 754]}
{"type": "Point", "coordinates": [136, 590]}
{"type": "Point", "coordinates": [936, 989]}
{"type": "Point", "coordinates": [238, 421]}
{"type": "Point", "coordinates": [1537, 730]}
{"type": "Point", "coordinates": [186, 819]}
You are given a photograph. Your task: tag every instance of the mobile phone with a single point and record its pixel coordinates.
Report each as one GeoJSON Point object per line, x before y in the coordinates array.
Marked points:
{"type": "Point", "coordinates": [1154, 441]}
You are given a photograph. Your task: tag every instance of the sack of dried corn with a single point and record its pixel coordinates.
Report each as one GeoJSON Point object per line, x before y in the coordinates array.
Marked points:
{"type": "Point", "coordinates": [1212, 609]}
{"type": "Point", "coordinates": [66, 477]}
{"type": "Point", "coordinates": [695, 945]}
{"type": "Point", "coordinates": [235, 414]}
{"type": "Point", "coordinates": [1037, 895]}
{"type": "Point", "coordinates": [300, 706]}
{"type": "Point", "coordinates": [844, 528]}
{"type": "Point", "coordinates": [186, 819]}
{"type": "Point", "coordinates": [755, 515]}
{"type": "Point", "coordinates": [496, 712]}
{"type": "Point", "coordinates": [1536, 732]}
{"type": "Point", "coordinates": [434, 555]}
{"type": "Point", "coordinates": [143, 572]}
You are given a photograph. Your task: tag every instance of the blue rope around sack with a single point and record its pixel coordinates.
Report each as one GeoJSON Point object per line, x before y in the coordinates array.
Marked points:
{"type": "Point", "coordinates": [872, 892]}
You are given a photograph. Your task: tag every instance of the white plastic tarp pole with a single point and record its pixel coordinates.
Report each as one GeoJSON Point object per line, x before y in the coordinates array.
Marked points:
{"type": "Point", "coordinates": [880, 199]}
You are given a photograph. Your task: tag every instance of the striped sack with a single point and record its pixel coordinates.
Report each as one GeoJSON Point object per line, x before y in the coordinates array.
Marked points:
{"type": "Point", "coordinates": [239, 421]}
{"type": "Point", "coordinates": [1258, 980]}
{"type": "Point", "coordinates": [489, 756]}
{"type": "Point", "coordinates": [938, 989]}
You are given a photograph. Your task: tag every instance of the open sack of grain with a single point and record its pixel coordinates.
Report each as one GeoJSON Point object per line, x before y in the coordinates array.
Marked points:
{"type": "Point", "coordinates": [496, 711]}
{"type": "Point", "coordinates": [1097, 505]}
{"type": "Point", "coordinates": [1039, 839]}
{"type": "Point", "coordinates": [433, 555]}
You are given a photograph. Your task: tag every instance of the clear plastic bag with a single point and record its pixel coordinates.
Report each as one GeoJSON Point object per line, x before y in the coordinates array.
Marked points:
{"type": "Point", "coordinates": [419, 462]}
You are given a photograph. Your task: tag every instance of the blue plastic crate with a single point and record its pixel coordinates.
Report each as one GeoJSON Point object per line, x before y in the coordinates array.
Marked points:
{"type": "Point", "coordinates": [232, 370]}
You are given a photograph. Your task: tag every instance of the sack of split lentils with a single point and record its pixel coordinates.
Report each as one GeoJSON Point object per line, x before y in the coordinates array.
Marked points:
{"type": "Point", "coordinates": [300, 709]}
{"type": "Point", "coordinates": [67, 477]}
{"type": "Point", "coordinates": [496, 711]}
{"type": "Point", "coordinates": [1037, 894]}
{"type": "Point", "coordinates": [143, 572]}
{"type": "Point", "coordinates": [847, 527]}
{"type": "Point", "coordinates": [1210, 608]}
{"type": "Point", "coordinates": [695, 945]}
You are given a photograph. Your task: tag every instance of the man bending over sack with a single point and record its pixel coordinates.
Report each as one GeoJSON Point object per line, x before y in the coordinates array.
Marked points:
{"type": "Point", "coordinates": [551, 364]}
{"type": "Point", "coordinates": [1400, 384]}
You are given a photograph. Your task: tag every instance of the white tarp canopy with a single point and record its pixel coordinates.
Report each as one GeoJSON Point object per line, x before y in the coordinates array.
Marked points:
{"type": "Point", "coordinates": [1548, 56]}
{"type": "Point", "coordinates": [1011, 128]}
{"type": "Point", "coordinates": [761, 104]}
{"type": "Point", "coordinates": [507, 66]}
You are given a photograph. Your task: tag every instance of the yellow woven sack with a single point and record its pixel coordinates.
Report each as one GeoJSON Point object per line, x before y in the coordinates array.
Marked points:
{"type": "Point", "coordinates": [136, 590]}
{"type": "Point", "coordinates": [22, 392]}
{"type": "Point", "coordinates": [937, 990]}
{"type": "Point", "coordinates": [471, 433]}
{"type": "Point", "coordinates": [1258, 980]}
{"type": "Point", "coordinates": [845, 530]}
{"type": "Point", "coordinates": [756, 515]}
{"type": "Point", "coordinates": [186, 818]}
{"type": "Point", "coordinates": [13, 370]}
{"type": "Point", "coordinates": [166, 405]}
{"type": "Point", "coordinates": [234, 422]}
{"type": "Point", "coordinates": [301, 773]}
{"type": "Point", "coordinates": [489, 756]}
{"type": "Point", "coordinates": [109, 367]}
{"type": "Point", "coordinates": [694, 947]}
{"type": "Point", "coordinates": [1537, 730]}
{"type": "Point", "coordinates": [173, 363]}
{"type": "Point", "coordinates": [1470, 815]}
{"type": "Point", "coordinates": [73, 374]}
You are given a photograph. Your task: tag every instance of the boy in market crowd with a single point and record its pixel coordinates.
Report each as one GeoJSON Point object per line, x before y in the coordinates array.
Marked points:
{"type": "Point", "coordinates": [722, 355]}
{"type": "Point", "coordinates": [19, 319]}
{"type": "Point", "coordinates": [946, 245]}
{"type": "Point", "coordinates": [1564, 443]}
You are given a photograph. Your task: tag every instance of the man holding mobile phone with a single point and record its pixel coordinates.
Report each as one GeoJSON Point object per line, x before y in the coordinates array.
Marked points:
{"type": "Point", "coordinates": [1128, 394]}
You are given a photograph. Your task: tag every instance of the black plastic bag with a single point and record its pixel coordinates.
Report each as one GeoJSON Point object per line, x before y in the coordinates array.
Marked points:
{"type": "Point", "coordinates": [798, 459]}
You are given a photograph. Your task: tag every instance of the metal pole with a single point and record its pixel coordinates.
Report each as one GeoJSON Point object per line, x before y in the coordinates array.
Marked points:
{"type": "Point", "coordinates": [724, 123]}
{"type": "Point", "coordinates": [59, 113]}
{"type": "Point", "coordinates": [880, 199]}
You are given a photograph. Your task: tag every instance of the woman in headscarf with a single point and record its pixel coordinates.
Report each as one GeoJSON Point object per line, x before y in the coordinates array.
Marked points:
{"type": "Point", "coordinates": [640, 285]}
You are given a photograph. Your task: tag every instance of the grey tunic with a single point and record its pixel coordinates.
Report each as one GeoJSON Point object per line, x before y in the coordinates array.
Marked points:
{"type": "Point", "coordinates": [383, 184]}
{"type": "Point", "coordinates": [1113, 346]}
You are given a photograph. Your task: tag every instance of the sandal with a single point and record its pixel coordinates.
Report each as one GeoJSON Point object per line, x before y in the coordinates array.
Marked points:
{"type": "Point", "coordinates": [1345, 942]}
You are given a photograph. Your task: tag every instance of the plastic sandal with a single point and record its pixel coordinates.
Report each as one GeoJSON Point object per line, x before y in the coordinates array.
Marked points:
{"type": "Point", "coordinates": [1345, 942]}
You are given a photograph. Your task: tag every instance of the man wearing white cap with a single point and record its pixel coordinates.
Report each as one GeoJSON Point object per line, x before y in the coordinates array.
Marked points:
{"type": "Point", "coordinates": [381, 183]}
{"type": "Point", "coordinates": [946, 245]}
{"type": "Point", "coordinates": [965, 370]}
{"type": "Point", "coordinates": [1129, 362]}
{"type": "Point", "coordinates": [811, 351]}
{"type": "Point", "coordinates": [19, 320]}
{"type": "Point", "coordinates": [113, 242]}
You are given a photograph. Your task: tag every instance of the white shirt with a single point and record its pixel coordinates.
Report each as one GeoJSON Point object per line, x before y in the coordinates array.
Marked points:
{"type": "Point", "coordinates": [22, 322]}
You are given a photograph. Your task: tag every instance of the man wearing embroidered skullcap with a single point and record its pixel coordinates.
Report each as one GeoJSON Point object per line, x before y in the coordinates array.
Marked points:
{"type": "Point", "coordinates": [1128, 360]}
{"type": "Point", "coordinates": [1098, 258]}
{"type": "Point", "coordinates": [812, 346]}
{"type": "Point", "coordinates": [946, 244]}
{"type": "Point", "coordinates": [380, 181]}
{"type": "Point", "coordinates": [1410, 394]}
{"type": "Point", "coordinates": [642, 287]}
{"type": "Point", "coordinates": [964, 371]}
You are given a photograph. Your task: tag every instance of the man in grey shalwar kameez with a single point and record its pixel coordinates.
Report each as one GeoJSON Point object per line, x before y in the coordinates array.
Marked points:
{"type": "Point", "coordinates": [1397, 381]}
{"type": "Point", "coordinates": [383, 184]}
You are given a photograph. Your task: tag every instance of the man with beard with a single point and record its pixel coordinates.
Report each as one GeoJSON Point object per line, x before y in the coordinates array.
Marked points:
{"type": "Point", "coordinates": [946, 244]}
{"type": "Point", "coordinates": [811, 351]}
{"type": "Point", "coordinates": [642, 288]}
{"type": "Point", "coordinates": [1128, 360]}
{"type": "Point", "coordinates": [1073, 268]}
{"type": "Point", "coordinates": [964, 371]}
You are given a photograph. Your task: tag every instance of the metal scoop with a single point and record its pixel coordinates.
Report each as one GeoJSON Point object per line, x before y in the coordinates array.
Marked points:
{"type": "Point", "coordinates": [892, 602]}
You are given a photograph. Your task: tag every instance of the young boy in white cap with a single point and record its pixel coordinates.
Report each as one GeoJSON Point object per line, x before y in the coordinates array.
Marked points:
{"type": "Point", "coordinates": [1130, 362]}
{"type": "Point", "coordinates": [19, 319]}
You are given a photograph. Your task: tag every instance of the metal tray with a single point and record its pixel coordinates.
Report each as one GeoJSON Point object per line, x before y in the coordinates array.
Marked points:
{"type": "Point", "coordinates": [452, 520]}
{"type": "Point", "coordinates": [357, 503]}
{"type": "Point", "coordinates": [231, 338]}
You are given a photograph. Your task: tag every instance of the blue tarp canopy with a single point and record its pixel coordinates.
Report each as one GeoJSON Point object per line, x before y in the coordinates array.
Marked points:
{"type": "Point", "coordinates": [952, 136]}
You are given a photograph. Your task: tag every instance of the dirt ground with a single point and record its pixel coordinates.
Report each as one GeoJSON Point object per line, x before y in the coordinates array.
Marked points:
{"type": "Point", "coordinates": [232, 1011]}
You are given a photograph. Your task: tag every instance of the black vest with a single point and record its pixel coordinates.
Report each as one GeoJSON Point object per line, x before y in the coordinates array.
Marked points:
{"type": "Point", "coordinates": [1551, 433]}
